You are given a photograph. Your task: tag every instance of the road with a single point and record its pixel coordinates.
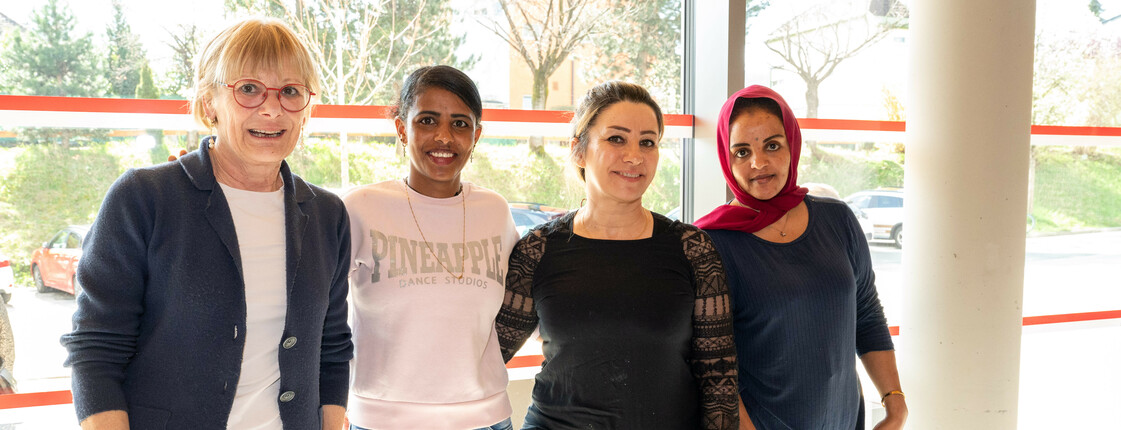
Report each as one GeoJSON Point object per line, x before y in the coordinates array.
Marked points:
{"type": "Point", "coordinates": [1068, 273]}
{"type": "Point", "coordinates": [1063, 274]}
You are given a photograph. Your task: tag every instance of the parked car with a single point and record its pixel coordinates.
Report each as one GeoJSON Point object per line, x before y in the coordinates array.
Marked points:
{"type": "Point", "coordinates": [884, 208]}
{"type": "Point", "coordinates": [865, 223]}
{"type": "Point", "coordinates": [826, 190]}
{"type": "Point", "coordinates": [530, 215]}
{"type": "Point", "coordinates": [53, 266]}
{"type": "Point", "coordinates": [7, 278]}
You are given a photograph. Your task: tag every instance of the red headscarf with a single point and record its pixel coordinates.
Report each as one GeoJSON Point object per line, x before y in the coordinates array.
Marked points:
{"type": "Point", "coordinates": [760, 213]}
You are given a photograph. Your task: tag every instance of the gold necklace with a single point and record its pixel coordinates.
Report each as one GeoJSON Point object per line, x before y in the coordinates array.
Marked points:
{"type": "Point", "coordinates": [463, 258]}
{"type": "Point", "coordinates": [780, 231]}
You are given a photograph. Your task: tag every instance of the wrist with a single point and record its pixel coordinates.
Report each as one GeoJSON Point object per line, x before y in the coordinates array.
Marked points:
{"type": "Point", "coordinates": [892, 393]}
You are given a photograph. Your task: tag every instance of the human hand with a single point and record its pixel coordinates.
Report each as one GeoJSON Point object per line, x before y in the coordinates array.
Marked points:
{"type": "Point", "coordinates": [334, 417]}
{"type": "Point", "coordinates": [107, 420]}
{"type": "Point", "coordinates": [172, 157]}
{"type": "Point", "coordinates": [896, 407]}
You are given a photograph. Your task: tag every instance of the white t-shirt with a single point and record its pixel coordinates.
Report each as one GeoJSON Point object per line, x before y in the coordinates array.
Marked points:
{"type": "Point", "coordinates": [259, 222]}
{"type": "Point", "coordinates": [425, 351]}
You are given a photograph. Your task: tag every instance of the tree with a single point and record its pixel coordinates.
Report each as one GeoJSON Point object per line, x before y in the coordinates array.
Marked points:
{"type": "Point", "coordinates": [180, 78]}
{"type": "Point", "coordinates": [364, 47]}
{"type": "Point", "coordinates": [126, 55]}
{"type": "Point", "coordinates": [1097, 9]}
{"type": "Point", "coordinates": [544, 33]}
{"type": "Point", "coordinates": [643, 46]}
{"type": "Point", "coordinates": [816, 41]}
{"type": "Point", "coordinates": [184, 45]}
{"type": "Point", "coordinates": [146, 85]}
{"type": "Point", "coordinates": [47, 60]}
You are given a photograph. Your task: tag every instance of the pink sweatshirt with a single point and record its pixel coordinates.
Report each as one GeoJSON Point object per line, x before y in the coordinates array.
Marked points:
{"type": "Point", "coordinates": [425, 351]}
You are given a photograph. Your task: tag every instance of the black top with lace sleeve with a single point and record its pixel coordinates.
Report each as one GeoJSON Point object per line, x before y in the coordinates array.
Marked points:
{"type": "Point", "coordinates": [637, 334]}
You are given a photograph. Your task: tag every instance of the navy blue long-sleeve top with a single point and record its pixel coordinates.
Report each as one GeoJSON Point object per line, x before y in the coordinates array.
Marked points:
{"type": "Point", "coordinates": [803, 311]}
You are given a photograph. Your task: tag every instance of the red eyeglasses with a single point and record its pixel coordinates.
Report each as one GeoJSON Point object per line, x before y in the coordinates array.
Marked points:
{"type": "Point", "coordinates": [250, 93]}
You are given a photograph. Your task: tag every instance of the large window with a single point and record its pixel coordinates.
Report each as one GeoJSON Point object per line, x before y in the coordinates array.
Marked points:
{"type": "Point", "coordinates": [840, 64]}
{"type": "Point", "coordinates": [845, 63]}
{"type": "Point", "coordinates": [58, 157]}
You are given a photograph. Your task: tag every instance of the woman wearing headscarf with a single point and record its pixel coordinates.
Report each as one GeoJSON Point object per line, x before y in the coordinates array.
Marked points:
{"type": "Point", "coordinates": [215, 286]}
{"type": "Point", "coordinates": [801, 281]}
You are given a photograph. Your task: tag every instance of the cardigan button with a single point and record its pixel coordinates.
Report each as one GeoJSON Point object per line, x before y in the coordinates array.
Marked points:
{"type": "Point", "coordinates": [289, 342]}
{"type": "Point", "coordinates": [287, 396]}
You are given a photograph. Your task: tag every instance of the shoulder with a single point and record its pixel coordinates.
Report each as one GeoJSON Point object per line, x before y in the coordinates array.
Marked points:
{"type": "Point", "coordinates": [687, 232]}
{"type": "Point", "coordinates": [166, 171]}
{"type": "Point", "coordinates": [830, 212]}
{"type": "Point", "coordinates": [487, 203]}
{"type": "Point", "coordinates": [827, 205]}
{"type": "Point", "coordinates": [379, 190]}
{"type": "Point", "coordinates": [675, 225]}
{"type": "Point", "coordinates": [151, 182]}
{"type": "Point", "coordinates": [561, 225]}
{"type": "Point", "coordinates": [695, 243]}
{"type": "Point", "coordinates": [321, 196]}
{"type": "Point", "coordinates": [485, 195]}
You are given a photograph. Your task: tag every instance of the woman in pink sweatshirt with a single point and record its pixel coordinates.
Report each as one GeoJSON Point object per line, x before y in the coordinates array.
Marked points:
{"type": "Point", "coordinates": [428, 272]}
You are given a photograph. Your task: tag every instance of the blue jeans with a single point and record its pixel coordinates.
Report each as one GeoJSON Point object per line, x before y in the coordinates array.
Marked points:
{"type": "Point", "coordinates": [504, 425]}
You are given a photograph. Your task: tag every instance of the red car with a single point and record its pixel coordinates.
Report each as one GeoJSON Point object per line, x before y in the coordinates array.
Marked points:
{"type": "Point", "coordinates": [54, 265]}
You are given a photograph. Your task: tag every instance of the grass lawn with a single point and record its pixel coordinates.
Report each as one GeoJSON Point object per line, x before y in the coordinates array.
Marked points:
{"type": "Point", "coordinates": [1075, 191]}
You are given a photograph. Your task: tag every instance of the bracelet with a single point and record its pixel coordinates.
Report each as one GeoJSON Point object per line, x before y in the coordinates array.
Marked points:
{"type": "Point", "coordinates": [882, 399]}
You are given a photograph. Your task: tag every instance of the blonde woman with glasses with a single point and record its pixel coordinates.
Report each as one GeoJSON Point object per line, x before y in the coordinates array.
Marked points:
{"type": "Point", "coordinates": [215, 285]}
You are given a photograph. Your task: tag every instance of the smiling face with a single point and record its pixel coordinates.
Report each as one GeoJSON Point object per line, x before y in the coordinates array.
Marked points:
{"type": "Point", "coordinates": [260, 136]}
{"type": "Point", "coordinates": [760, 154]}
{"type": "Point", "coordinates": [622, 153]}
{"type": "Point", "coordinates": [440, 131]}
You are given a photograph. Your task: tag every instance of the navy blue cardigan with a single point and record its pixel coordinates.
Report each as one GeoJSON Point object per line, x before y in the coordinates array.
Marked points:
{"type": "Point", "coordinates": [160, 327]}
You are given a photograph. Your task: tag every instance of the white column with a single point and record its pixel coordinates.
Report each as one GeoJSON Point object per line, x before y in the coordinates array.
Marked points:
{"type": "Point", "coordinates": [968, 125]}
{"type": "Point", "coordinates": [715, 64]}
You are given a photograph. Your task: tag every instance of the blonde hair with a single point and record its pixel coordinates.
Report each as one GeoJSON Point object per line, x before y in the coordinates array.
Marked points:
{"type": "Point", "coordinates": [251, 44]}
{"type": "Point", "coordinates": [601, 97]}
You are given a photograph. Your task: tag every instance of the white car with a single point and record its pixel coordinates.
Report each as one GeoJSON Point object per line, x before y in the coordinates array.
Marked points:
{"type": "Point", "coordinates": [884, 208]}
{"type": "Point", "coordinates": [826, 190]}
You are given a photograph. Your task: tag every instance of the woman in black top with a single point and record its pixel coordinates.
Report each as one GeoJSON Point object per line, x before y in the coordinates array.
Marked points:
{"type": "Point", "coordinates": [632, 307]}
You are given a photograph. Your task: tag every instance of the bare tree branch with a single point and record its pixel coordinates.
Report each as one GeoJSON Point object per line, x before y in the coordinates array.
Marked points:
{"type": "Point", "coordinates": [814, 43]}
{"type": "Point", "coordinates": [544, 33]}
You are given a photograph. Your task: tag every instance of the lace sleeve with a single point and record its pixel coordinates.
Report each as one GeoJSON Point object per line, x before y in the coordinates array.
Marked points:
{"type": "Point", "coordinates": [714, 350]}
{"type": "Point", "coordinates": [517, 318]}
